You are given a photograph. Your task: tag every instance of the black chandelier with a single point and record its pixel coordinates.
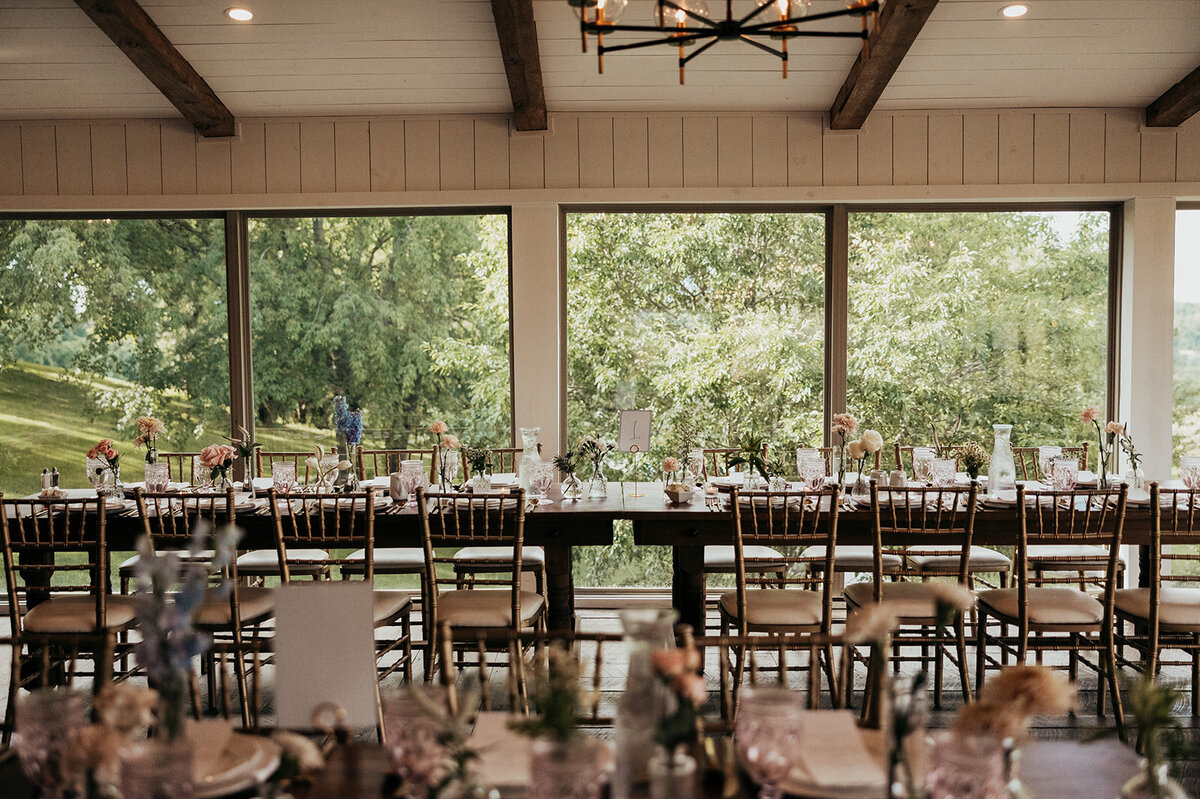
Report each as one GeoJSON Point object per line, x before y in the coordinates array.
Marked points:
{"type": "Point", "coordinates": [686, 23]}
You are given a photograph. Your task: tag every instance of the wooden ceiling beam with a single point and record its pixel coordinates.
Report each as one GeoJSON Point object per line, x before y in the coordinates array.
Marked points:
{"type": "Point", "coordinates": [899, 23]}
{"type": "Point", "coordinates": [131, 29]}
{"type": "Point", "coordinates": [1177, 105]}
{"type": "Point", "coordinates": [522, 63]}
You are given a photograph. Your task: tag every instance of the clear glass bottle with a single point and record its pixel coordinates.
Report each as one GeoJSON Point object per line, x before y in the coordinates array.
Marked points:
{"type": "Point", "coordinates": [529, 454]}
{"type": "Point", "coordinates": [1002, 470]}
{"type": "Point", "coordinates": [644, 701]}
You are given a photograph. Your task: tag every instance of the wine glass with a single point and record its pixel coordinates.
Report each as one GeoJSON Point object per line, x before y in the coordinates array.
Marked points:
{"type": "Point", "coordinates": [942, 471]}
{"type": "Point", "coordinates": [804, 454]}
{"type": "Point", "coordinates": [768, 736]}
{"type": "Point", "coordinates": [922, 461]}
{"type": "Point", "coordinates": [450, 467]}
{"type": "Point", "coordinates": [1189, 471]}
{"type": "Point", "coordinates": [158, 476]}
{"type": "Point", "coordinates": [812, 473]}
{"type": "Point", "coordinates": [44, 721]}
{"type": "Point", "coordinates": [1065, 472]}
{"type": "Point", "coordinates": [283, 476]}
{"type": "Point", "coordinates": [1046, 457]}
{"type": "Point", "coordinates": [541, 478]}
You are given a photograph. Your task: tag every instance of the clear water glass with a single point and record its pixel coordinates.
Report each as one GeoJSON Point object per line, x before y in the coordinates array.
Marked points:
{"type": "Point", "coordinates": [768, 736]}
{"type": "Point", "coordinates": [41, 738]}
{"type": "Point", "coordinates": [805, 454]}
{"type": "Point", "coordinates": [1065, 472]}
{"type": "Point", "coordinates": [158, 475]}
{"type": "Point", "coordinates": [695, 463]}
{"type": "Point", "coordinates": [922, 461]}
{"type": "Point", "coordinates": [412, 477]}
{"type": "Point", "coordinates": [942, 471]}
{"type": "Point", "coordinates": [95, 472]}
{"type": "Point", "coordinates": [1189, 471]}
{"type": "Point", "coordinates": [450, 466]}
{"type": "Point", "coordinates": [541, 479]}
{"type": "Point", "coordinates": [1046, 458]}
{"type": "Point", "coordinates": [966, 767]}
{"type": "Point", "coordinates": [812, 473]}
{"type": "Point", "coordinates": [283, 476]}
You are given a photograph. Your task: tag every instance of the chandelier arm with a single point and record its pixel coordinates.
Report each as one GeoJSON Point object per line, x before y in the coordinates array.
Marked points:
{"type": "Point", "coordinates": [594, 28]}
{"type": "Point", "coordinates": [854, 11]}
{"type": "Point", "coordinates": [814, 34]}
{"type": "Point", "coordinates": [778, 53]}
{"type": "Point", "coordinates": [652, 43]}
{"type": "Point", "coordinates": [698, 51]}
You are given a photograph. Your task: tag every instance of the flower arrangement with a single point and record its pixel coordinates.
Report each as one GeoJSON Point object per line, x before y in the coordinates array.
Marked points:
{"type": "Point", "coordinates": [567, 463]}
{"type": "Point", "coordinates": [218, 459]}
{"type": "Point", "coordinates": [453, 776]}
{"type": "Point", "coordinates": [1106, 436]}
{"type": "Point", "coordinates": [679, 669]}
{"type": "Point", "coordinates": [125, 713]}
{"type": "Point", "coordinates": [170, 589]}
{"type": "Point", "coordinates": [148, 430]}
{"type": "Point", "coordinates": [843, 425]}
{"type": "Point", "coordinates": [670, 469]}
{"type": "Point", "coordinates": [973, 458]}
{"type": "Point", "coordinates": [751, 454]}
{"type": "Point", "coordinates": [865, 446]}
{"type": "Point", "coordinates": [1012, 698]}
{"type": "Point", "coordinates": [446, 441]}
{"type": "Point", "coordinates": [1162, 739]}
{"type": "Point", "coordinates": [317, 464]}
{"type": "Point", "coordinates": [107, 454]}
{"type": "Point", "coordinates": [559, 700]}
{"type": "Point", "coordinates": [480, 460]}
{"type": "Point", "coordinates": [595, 449]}
{"type": "Point", "coordinates": [346, 422]}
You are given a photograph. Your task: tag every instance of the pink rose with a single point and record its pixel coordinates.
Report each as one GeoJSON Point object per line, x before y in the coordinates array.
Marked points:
{"type": "Point", "coordinates": [450, 441]}
{"type": "Point", "coordinates": [1114, 429]}
{"type": "Point", "coordinates": [671, 663]}
{"type": "Point", "coordinates": [691, 688]}
{"type": "Point", "coordinates": [216, 456]}
{"type": "Point", "coordinates": [438, 427]}
{"type": "Point", "coordinates": [670, 464]}
{"type": "Point", "coordinates": [1090, 414]}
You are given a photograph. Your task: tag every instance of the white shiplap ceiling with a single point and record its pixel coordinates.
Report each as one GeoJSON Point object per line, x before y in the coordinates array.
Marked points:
{"type": "Point", "coordinates": [315, 57]}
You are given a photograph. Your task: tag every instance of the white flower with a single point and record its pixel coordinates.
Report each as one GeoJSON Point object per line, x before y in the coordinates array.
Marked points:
{"type": "Point", "coordinates": [856, 449]}
{"type": "Point", "coordinates": [871, 440]}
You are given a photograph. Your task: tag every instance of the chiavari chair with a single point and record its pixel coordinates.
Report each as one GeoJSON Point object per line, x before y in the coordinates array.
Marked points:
{"type": "Point", "coordinates": [374, 463]}
{"type": "Point", "coordinates": [1052, 618]}
{"type": "Point", "coordinates": [170, 521]}
{"type": "Point", "coordinates": [934, 522]}
{"type": "Point", "coordinates": [1026, 459]}
{"type": "Point", "coordinates": [264, 460]}
{"type": "Point", "coordinates": [1166, 614]}
{"type": "Point", "coordinates": [490, 614]}
{"type": "Point", "coordinates": [181, 466]}
{"type": "Point", "coordinates": [80, 617]}
{"type": "Point", "coordinates": [903, 455]}
{"type": "Point", "coordinates": [491, 560]}
{"type": "Point", "coordinates": [799, 601]}
{"type": "Point", "coordinates": [328, 522]}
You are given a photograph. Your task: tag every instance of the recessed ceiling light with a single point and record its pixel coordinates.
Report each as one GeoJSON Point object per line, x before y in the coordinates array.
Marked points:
{"type": "Point", "coordinates": [239, 14]}
{"type": "Point", "coordinates": [1014, 11]}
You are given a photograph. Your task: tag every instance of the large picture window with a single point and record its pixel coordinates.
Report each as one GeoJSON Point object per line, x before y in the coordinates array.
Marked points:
{"type": "Point", "coordinates": [966, 319]}
{"type": "Point", "coordinates": [713, 321]}
{"type": "Point", "coordinates": [1187, 334]}
{"type": "Point", "coordinates": [406, 316]}
{"type": "Point", "coordinates": [102, 321]}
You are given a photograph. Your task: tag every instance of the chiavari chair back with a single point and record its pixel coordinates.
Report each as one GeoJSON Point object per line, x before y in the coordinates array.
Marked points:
{"type": "Point", "coordinates": [1027, 459]}
{"type": "Point", "coordinates": [263, 462]}
{"type": "Point", "coordinates": [59, 541]}
{"type": "Point", "coordinates": [181, 466]}
{"type": "Point", "coordinates": [475, 520]}
{"type": "Point", "coordinates": [505, 460]}
{"type": "Point", "coordinates": [1052, 618]}
{"type": "Point", "coordinates": [374, 463]}
{"type": "Point", "coordinates": [904, 454]}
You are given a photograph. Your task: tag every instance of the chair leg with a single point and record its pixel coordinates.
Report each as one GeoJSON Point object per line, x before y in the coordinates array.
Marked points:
{"type": "Point", "coordinates": [834, 692]}
{"type": "Point", "coordinates": [964, 676]}
{"type": "Point", "coordinates": [14, 682]}
{"type": "Point", "coordinates": [406, 631]}
{"type": "Point", "coordinates": [980, 651]}
{"type": "Point", "coordinates": [1111, 667]}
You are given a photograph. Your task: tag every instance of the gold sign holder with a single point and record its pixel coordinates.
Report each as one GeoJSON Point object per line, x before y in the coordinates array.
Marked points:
{"type": "Point", "coordinates": [637, 461]}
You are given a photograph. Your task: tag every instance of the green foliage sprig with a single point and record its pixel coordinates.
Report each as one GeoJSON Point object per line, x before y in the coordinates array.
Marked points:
{"type": "Point", "coordinates": [750, 454]}
{"type": "Point", "coordinates": [558, 698]}
{"type": "Point", "coordinates": [595, 449]}
{"type": "Point", "coordinates": [568, 462]}
{"type": "Point", "coordinates": [973, 458]}
{"type": "Point", "coordinates": [479, 460]}
{"type": "Point", "coordinates": [1160, 735]}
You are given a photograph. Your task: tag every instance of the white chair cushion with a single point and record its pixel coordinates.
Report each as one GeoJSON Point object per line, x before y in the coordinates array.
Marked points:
{"type": "Point", "coordinates": [980, 559]}
{"type": "Point", "coordinates": [1050, 609]}
{"type": "Point", "coordinates": [254, 604]}
{"type": "Point", "coordinates": [389, 604]}
{"type": "Point", "coordinates": [721, 557]}
{"type": "Point", "coordinates": [388, 560]}
{"type": "Point", "coordinates": [777, 608]}
{"type": "Point", "coordinates": [486, 608]}
{"type": "Point", "coordinates": [530, 556]}
{"type": "Point", "coordinates": [912, 603]}
{"type": "Point", "coordinates": [77, 614]}
{"type": "Point", "coordinates": [852, 559]}
{"type": "Point", "coordinates": [1069, 557]}
{"type": "Point", "coordinates": [1178, 608]}
{"type": "Point", "coordinates": [266, 561]}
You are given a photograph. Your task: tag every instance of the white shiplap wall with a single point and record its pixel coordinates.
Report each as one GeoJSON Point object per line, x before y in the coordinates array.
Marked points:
{"type": "Point", "coordinates": [478, 158]}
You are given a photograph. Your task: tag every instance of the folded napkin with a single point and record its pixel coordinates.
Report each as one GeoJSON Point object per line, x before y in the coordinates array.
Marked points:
{"type": "Point", "coordinates": [503, 754]}
{"type": "Point", "coordinates": [833, 754]}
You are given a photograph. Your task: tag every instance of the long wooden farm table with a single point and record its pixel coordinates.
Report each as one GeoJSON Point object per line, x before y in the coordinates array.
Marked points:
{"type": "Point", "coordinates": [563, 525]}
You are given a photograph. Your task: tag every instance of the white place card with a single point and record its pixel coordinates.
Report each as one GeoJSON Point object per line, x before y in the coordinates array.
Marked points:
{"type": "Point", "coordinates": [325, 651]}
{"type": "Point", "coordinates": [634, 433]}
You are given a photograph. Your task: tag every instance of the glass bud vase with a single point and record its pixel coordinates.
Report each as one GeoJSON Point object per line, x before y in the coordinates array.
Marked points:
{"type": "Point", "coordinates": [1002, 470]}
{"type": "Point", "coordinates": [598, 489]}
{"type": "Point", "coordinates": [572, 488]}
{"type": "Point", "coordinates": [1152, 782]}
{"type": "Point", "coordinates": [1135, 477]}
{"type": "Point", "coordinates": [158, 769]}
{"type": "Point", "coordinates": [112, 483]}
{"type": "Point", "coordinates": [644, 700]}
{"type": "Point", "coordinates": [672, 775]}
{"type": "Point", "coordinates": [564, 770]}
{"type": "Point", "coordinates": [529, 454]}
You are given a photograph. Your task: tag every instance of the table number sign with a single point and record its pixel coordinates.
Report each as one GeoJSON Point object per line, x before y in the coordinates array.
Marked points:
{"type": "Point", "coordinates": [325, 651]}
{"type": "Point", "coordinates": [634, 433]}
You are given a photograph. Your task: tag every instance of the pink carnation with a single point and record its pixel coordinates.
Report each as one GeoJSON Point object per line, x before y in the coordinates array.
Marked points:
{"type": "Point", "coordinates": [216, 456]}
{"type": "Point", "coordinates": [672, 663]}
{"type": "Point", "coordinates": [691, 688]}
{"type": "Point", "coordinates": [844, 423]}
{"type": "Point", "coordinates": [450, 441]}
{"type": "Point", "coordinates": [438, 427]}
{"type": "Point", "coordinates": [1090, 414]}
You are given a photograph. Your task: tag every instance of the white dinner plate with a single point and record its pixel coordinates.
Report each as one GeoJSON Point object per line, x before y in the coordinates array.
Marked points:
{"type": "Point", "coordinates": [246, 762]}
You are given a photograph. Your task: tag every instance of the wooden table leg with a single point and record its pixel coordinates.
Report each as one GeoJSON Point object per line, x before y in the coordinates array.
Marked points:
{"type": "Point", "coordinates": [560, 587]}
{"type": "Point", "coordinates": [687, 586]}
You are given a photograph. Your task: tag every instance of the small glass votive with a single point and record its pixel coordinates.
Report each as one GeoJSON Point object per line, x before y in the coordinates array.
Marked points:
{"type": "Point", "coordinates": [942, 471]}
{"type": "Point", "coordinates": [922, 461]}
{"type": "Point", "coordinates": [1189, 471]}
{"type": "Point", "coordinates": [812, 473]}
{"type": "Point", "coordinates": [966, 767]}
{"type": "Point", "coordinates": [158, 475]}
{"type": "Point", "coordinates": [1046, 458]}
{"type": "Point", "coordinates": [283, 476]}
{"type": "Point", "coordinates": [1065, 472]}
